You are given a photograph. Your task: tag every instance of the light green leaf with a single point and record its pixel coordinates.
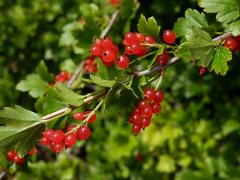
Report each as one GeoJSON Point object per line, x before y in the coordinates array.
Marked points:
{"type": "Point", "coordinates": [101, 82]}
{"type": "Point", "coordinates": [67, 96]}
{"type": "Point", "coordinates": [68, 65]}
{"type": "Point", "coordinates": [230, 126]}
{"type": "Point", "coordinates": [42, 71]}
{"type": "Point", "coordinates": [235, 28]}
{"type": "Point", "coordinates": [34, 84]}
{"type": "Point", "coordinates": [201, 46]}
{"type": "Point", "coordinates": [227, 10]}
{"type": "Point", "coordinates": [166, 164]}
{"type": "Point", "coordinates": [183, 52]}
{"type": "Point", "coordinates": [148, 26]}
{"type": "Point", "coordinates": [219, 63]}
{"type": "Point", "coordinates": [19, 127]}
{"type": "Point", "coordinates": [192, 19]}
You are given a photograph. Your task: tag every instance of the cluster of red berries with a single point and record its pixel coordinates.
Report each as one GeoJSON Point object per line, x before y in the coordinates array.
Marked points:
{"type": "Point", "coordinates": [63, 77]}
{"type": "Point", "coordinates": [142, 114]}
{"type": "Point", "coordinates": [58, 139]}
{"type": "Point", "coordinates": [12, 156]}
{"type": "Point", "coordinates": [90, 65]}
{"type": "Point", "coordinates": [134, 43]}
{"type": "Point", "coordinates": [233, 43]}
{"type": "Point", "coordinates": [107, 51]}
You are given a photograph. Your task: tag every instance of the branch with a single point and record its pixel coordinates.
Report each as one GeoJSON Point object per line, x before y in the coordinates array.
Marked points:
{"type": "Point", "coordinates": [110, 24]}
{"type": "Point", "coordinates": [176, 59]}
{"type": "Point", "coordinates": [103, 34]}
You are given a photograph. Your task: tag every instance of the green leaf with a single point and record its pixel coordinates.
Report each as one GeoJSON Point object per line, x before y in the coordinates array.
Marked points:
{"type": "Point", "coordinates": [148, 26]}
{"type": "Point", "coordinates": [166, 164]}
{"type": "Point", "coordinates": [19, 127]}
{"type": "Point", "coordinates": [219, 63]}
{"type": "Point", "coordinates": [126, 8]}
{"type": "Point", "coordinates": [192, 19]}
{"type": "Point", "coordinates": [230, 126]}
{"type": "Point", "coordinates": [34, 85]}
{"type": "Point", "coordinates": [101, 82]}
{"type": "Point", "coordinates": [42, 71]}
{"type": "Point", "coordinates": [66, 95]}
{"type": "Point", "coordinates": [227, 10]}
{"type": "Point", "coordinates": [159, 52]}
{"type": "Point", "coordinates": [183, 52]}
{"type": "Point", "coordinates": [201, 46]}
{"type": "Point", "coordinates": [235, 28]}
{"type": "Point", "coordinates": [68, 65]}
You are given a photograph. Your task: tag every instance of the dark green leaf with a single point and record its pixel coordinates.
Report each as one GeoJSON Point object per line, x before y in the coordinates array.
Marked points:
{"type": "Point", "coordinates": [42, 71]}
{"type": "Point", "coordinates": [183, 52]}
{"type": "Point", "coordinates": [126, 8]}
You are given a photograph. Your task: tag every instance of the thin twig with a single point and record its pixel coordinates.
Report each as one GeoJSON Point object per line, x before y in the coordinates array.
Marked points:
{"type": "Point", "coordinates": [110, 24]}
{"type": "Point", "coordinates": [176, 59]}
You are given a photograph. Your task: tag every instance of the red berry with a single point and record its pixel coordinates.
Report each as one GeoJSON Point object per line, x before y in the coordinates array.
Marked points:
{"type": "Point", "coordinates": [70, 139]}
{"type": "Point", "coordinates": [115, 2]}
{"type": "Point", "coordinates": [163, 58]}
{"type": "Point", "coordinates": [145, 122]}
{"type": "Point", "coordinates": [63, 77]}
{"type": "Point", "coordinates": [143, 51]}
{"type": "Point", "coordinates": [79, 116]}
{"type": "Point", "coordinates": [130, 38]}
{"type": "Point", "coordinates": [230, 43]}
{"type": "Point", "coordinates": [169, 36]}
{"type": "Point", "coordinates": [83, 132]}
{"type": "Point", "coordinates": [140, 37]}
{"type": "Point", "coordinates": [142, 105]}
{"type": "Point", "coordinates": [122, 61]}
{"type": "Point", "coordinates": [136, 129]}
{"type": "Point", "coordinates": [159, 95]}
{"type": "Point", "coordinates": [48, 134]}
{"type": "Point", "coordinates": [96, 50]}
{"type": "Point", "coordinates": [136, 111]}
{"type": "Point", "coordinates": [107, 43]}
{"type": "Point", "coordinates": [44, 141]}
{"type": "Point", "coordinates": [156, 107]}
{"type": "Point", "coordinates": [32, 152]}
{"type": "Point", "coordinates": [128, 50]}
{"type": "Point", "coordinates": [11, 155]}
{"type": "Point", "coordinates": [108, 55]}
{"type": "Point", "coordinates": [58, 136]}
{"type": "Point", "coordinates": [19, 160]}
{"type": "Point", "coordinates": [57, 147]}
{"type": "Point", "coordinates": [147, 112]}
{"type": "Point", "coordinates": [149, 39]}
{"type": "Point", "coordinates": [136, 118]}
{"type": "Point", "coordinates": [69, 128]}
{"type": "Point", "coordinates": [108, 64]}
{"type": "Point", "coordinates": [202, 71]}
{"type": "Point", "coordinates": [92, 119]}
{"type": "Point", "coordinates": [149, 94]}
{"type": "Point", "coordinates": [135, 48]}
{"type": "Point", "coordinates": [115, 48]}
{"type": "Point", "coordinates": [139, 157]}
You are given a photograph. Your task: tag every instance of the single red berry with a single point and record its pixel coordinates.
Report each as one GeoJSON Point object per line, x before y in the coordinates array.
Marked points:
{"type": "Point", "coordinates": [230, 43]}
{"type": "Point", "coordinates": [137, 111]}
{"type": "Point", "coordinates": [115, 49]}
{"type": "Point", "coordinates": [99, 43]}
{"type": "Point", "coordinates": [32, 152]}
{"type": "Point", "coordinates": [145, 122]}
{"type": "Point", "coordinates": [163, 58]}
{"type": "Point", "coordinates": [136, 129]}
{"type": "Point", "coordinates": [58, 136]}
{"type": "Point", "coordinates": [149, 39]}
{"type": "Point", "coordinates": [159, 95]}
{"type": "Point", "coordinates": [57, 147]}
{"type": "Point", "coordinates": [19, 160]}
{"type": "Point", "coordinates": [149, 94]}
{"type": "Point", "coordinates": [115, 2]}
{"type": "Point", "coordinates": [156, 107]}
{"type": "Point", "coordinates": [63, 77]}
{"type": "Point", "coordinates": [69, 128]}
{"type": "Point", "coordinates": [147, 112]}
{"type": "Point", "coordinates": [92, 119]}
{"type": "Point", "coordinates": [202, 71]}
{"type": "Point", "coordinates": [143, 51]}
{"type": "Point", "coordinates": [122, 61]}
{"type": "Point", "coordinates": [130, 120]}
{"type": "Point", "coordinates": [70, 139]}
{"type": "Point", "coordinates": [142, 105]}
{"type": "Point", "coordinates": [11, 155]}
{"type": "Point", "coordinates": [169, 36]}
{"type": "Point", "coordinates": [108, 64]}
{"type": "Point", "coordinates": [107, 43]}
{"type": "Point", "coordinates": [140, 37]}
{"type": "Point", "coordinates": [135, 48]}
{"type": "Point", "coordinates": [108, 55]}
{"type": "Point", "coordinates": [83, 132]}
{"type": "Point", "coordinates": [48, 134]}
{"type": "Point", "coordinates": [128, 50]}
{"type": "Point", "coordinates": [96, 50]}
{"type": "Point", "coordinates": [136, 118]}
{"type": "Point", "coordinates": [79, 116]}
{"type": "Point", "coordinates": [138, 157]}
{"type": "Point", "coordinates": [44, 141]}
{"type": "Point", "coordinates": [130, 38]}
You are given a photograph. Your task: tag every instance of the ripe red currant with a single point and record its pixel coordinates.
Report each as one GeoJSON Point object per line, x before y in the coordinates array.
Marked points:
{"type": "Point", "coordinates": [136, 129]}
{"type": "Point", "coordinates": [145, 122]}
{"type": "Point", "coordinates": [149, 39]}
{"type": "Point", "coordinates": [92, 119]}
{"type": "Point", "coordinates": [108, 55]}
{"type": "Point", "coordinates": [159, 95]}
{"type": "Point", "coordinates": [57, 147]}
{"type": "Point", "coordinates": [70, 139]}
{"type": "Point", "coordinates": [32, 152]}
{"type": "Point", "coordinates": [79, 116]}
{"type": "Point", "coordinates": [48, 134]}
{"type": "Point", "coordinates": [202, 71]}
{"type": "Point", "coordinates": [58, 136]}
{"type": "Point", "coordinates": [83, 132]}
{"type": "Point", "coordinates": [130, 38]}
{"type": "Point", "coordinates": [96, 50]}
{"type": "Point", "coordinates": [122, 61]}
{"type": "Point", "coordinates": [169, 36]}
{"type": "Point", "coordinates": [11, 155]}
{"type": "Point", "coordinates": [140, 37]}
{"type": "Point", "coordinates": [230, 43]}
{"type": "Point", "coordinates": [156, 107]}
{"type": "Point", "coordinates": [149, 94]}
{"type": "Point", "coordinates": [163, 58]}
{"type": "Point", "coordinates": [19, 160]}
{"type": "Point", "coordinates": [44, 141]}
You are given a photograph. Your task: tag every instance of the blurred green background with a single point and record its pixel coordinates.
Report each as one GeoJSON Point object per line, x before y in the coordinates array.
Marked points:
{"type": "Point", "coordinates": [196, 137]}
